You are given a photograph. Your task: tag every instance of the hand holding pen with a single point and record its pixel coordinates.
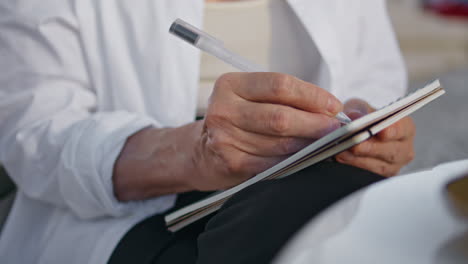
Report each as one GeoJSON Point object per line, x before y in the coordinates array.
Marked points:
{"type": "Point", "coordinates": [215, 47]}
{"type": "Point", "coordinates": [254, 120]}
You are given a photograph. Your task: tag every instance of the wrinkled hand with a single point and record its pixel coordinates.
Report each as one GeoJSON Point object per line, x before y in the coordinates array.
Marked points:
{"type": "Point", "coordinates": [388, 151]}
{"type": "Point", "coordinates": [255, 120]}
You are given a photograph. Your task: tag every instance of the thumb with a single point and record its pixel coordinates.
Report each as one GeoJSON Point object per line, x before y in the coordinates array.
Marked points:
{"type": "Point", "coordinates": [356, 108]}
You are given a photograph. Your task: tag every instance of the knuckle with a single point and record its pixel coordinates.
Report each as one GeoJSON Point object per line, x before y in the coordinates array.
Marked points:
{"type": "Point", "coordinates": [209, 121]}
{"type": "Point", "coordinates": [389, 133]}
{"type": "Point", "coordinates": [385, 134]}
{"type": "Point", "coordinates": [279, 122]}
{"type": "Point", "coordinates": [214, 117]}
{"type": "Point", "coordinates": [398, 130]}
{"type": "Point", "coordinates": [387, 171]}
{"type": "Point", "coordinates": [217, 142]}
{"type": "Point", "coordinates": [362, 149]}
{"type": "Point", "coordinates": [318, 98]}
{"type": "Point", "coordinates": [355, 150]}
{"type": "Point", "coordinates": [383, 170]}
{"type": "Point", "coordinates": [231, 160]}
{"type": "Point", "coordinates": [235, 164]}
{"type": "Point", "coordinates": [280, 86]}
{"type": "Point", "coordinates": [224, 81]}
{"type": "Point", "coordinates": [221, 112]}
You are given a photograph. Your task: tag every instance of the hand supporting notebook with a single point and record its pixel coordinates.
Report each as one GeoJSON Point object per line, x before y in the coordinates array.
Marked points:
{"type": "Point", "coordinates": [386, 153]}
{"type": "Point", "coordinates": [372, 125]}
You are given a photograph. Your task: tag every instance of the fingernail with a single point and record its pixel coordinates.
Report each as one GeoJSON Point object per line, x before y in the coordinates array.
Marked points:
{"type": "Point", "coordinates": [347, 156]}
{"type": "Point", "coordinates": [357, 112]}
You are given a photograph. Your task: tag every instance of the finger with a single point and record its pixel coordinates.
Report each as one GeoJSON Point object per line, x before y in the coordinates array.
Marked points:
{"type": "Point", "coordinates": [374, 165]}
{"type": "Point", "coordinates": [262, 145]}
{"type": "Point", "coordinates": [277, 88]}
{"type": "Point", "coordinates": [356, 108]}
{"type": "Point", "coordinates": [393, 152]}
{"type": "Point", "coordinates": [285, 121]}
{"type": "Point", "coordinates": [402, 130]}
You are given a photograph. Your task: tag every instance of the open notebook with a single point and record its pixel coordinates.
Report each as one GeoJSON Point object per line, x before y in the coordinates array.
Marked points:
{"type": "Point", "coordinates": [341, 139]}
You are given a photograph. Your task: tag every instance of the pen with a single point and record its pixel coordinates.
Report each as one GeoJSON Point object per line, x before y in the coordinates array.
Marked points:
{"type": "Point", "coordinates": [215, 47]}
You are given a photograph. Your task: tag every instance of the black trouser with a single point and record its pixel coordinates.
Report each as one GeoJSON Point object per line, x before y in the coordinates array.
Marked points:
{"type": "Point", "coordinates": [251, 227]}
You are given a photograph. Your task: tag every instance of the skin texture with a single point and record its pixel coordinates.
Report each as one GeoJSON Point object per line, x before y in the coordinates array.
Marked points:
{"type": "Point", "coordinates": [388, 151]}
{"type": "Point", "coordinates": [253, 121]}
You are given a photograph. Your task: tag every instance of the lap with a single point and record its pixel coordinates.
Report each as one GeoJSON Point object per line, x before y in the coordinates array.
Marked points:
{"type": "Point", "coordinates": [255, 223]}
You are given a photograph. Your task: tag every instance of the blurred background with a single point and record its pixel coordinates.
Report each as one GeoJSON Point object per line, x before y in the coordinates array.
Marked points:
{"type": "Point", "coordinates": [433, 36]}
{"type": "Point", "coordinates": [434, 39]}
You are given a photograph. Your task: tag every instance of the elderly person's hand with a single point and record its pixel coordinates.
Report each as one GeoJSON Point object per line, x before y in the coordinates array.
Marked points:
{"type": "Point", "coordinates": [253, 121]}
{"type": "Point", "coordinates": [388, 151]}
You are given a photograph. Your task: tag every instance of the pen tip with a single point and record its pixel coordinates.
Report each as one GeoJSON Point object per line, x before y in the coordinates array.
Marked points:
{"type": "Point", "coordinates": [343, 118]}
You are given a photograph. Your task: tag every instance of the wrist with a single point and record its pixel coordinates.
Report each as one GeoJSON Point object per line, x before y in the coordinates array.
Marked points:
{"type": "Point", "coordinates": [156, 162]}
{"type": "Point", "coordinates": [188, 156]}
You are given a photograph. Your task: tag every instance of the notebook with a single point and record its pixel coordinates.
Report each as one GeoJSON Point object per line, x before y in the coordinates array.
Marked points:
{"type": "Point", "coordinates": [328, 146]}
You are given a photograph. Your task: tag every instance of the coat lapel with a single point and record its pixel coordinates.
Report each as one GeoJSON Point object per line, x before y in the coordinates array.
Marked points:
{"type": "Point", "coordinates": [317, 18]}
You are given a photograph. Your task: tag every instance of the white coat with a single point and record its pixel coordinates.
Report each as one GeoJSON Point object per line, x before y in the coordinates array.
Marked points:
{"type": "Point", "coordinates": [78, 77]}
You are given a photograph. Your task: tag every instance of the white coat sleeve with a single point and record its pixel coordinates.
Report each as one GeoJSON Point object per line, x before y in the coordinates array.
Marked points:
{"type": "Point", "coordinates": [54, 144]}
{"type": "Point", "coordinates": [378, 73]}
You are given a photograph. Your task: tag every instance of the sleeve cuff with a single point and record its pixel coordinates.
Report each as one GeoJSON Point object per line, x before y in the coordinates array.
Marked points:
{"type": "Point", "coordinates": [89, 157]}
